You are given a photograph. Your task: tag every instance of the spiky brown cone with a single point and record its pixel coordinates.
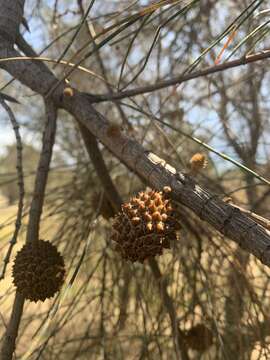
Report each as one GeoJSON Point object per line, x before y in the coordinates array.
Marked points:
{"type": "Point", "coordinates": [145, 225]}
{"type": "Point", "coordinates": [38, 270]}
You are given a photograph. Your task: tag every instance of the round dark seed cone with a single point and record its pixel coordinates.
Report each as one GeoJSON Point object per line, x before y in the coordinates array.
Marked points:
{"type": "Point", "coordinates": [199, 338]}
{"type": "Point", "coordinates": [38, 270]}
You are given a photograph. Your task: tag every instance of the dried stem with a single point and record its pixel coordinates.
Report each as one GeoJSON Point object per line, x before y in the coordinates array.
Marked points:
{"type": "Point", "coordinates": [180, 346]}
{"type": "Point", "coordinates": [19, 167]}
{"type": "Point", "coordinates": [96, 157]}
{"type": "Point", "coordinates": [42, 173]}
{"type": "Point", "coordinates": [182, 78]}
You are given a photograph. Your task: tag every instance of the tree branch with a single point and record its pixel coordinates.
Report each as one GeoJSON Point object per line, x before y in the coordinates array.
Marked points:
{"type": "Point", "coordinates": [225, 218]}
{"type": "Point", "coordinates": [182, 78]}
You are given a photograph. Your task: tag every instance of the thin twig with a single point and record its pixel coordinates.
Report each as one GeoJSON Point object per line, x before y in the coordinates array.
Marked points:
{"type": "Point", "coordinates": [183, 78]}
{"type": "Point", "coordinates": [83, 20]}
{"type": "Point", "coordinates": [19, 167]}
{"type": "Point", "coordinates": [42, 173]}
{"type": "Point", "coordinates": [178, 335]}
{"type": "Point", "coordinates": [96, 157]}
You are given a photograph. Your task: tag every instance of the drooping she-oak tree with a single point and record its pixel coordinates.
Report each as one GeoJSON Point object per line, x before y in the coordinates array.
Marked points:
{"type": "Point", "coordinates": [146, 223]}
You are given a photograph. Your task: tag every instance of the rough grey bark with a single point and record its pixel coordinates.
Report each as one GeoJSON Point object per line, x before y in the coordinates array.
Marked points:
{"type": "Point", "coordinates": [11, 16]}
